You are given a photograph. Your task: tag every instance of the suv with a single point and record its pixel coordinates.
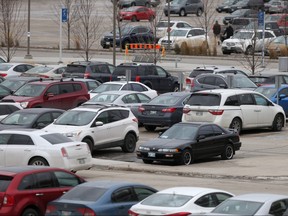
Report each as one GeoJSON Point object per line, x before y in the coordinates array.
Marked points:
{"type": "Point", "coordinates": [242, 41]}
{"type": "Point", "coordinates": [27, 190]}
{"type": "Point", "coordinates": [184, 7]}
{"type": "Point", "coordinates": [234, 108]}
{"type": "Point", "coordinates": [100, 71]}
{"type": "Point", "coordinates": [129, 34]}
{"type": "Point", "coordinates": [99, 126]}
{"type": "Point", "coordinates": [225, 6]}
{"type": "Point", "coordinates": [52, 94]}
{"type": "Point", "coordinates": [153, 76]}
{"type": "Point", "coordinates": [247, 4]}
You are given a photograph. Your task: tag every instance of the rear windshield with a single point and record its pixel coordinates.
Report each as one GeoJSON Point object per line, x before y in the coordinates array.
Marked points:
{"type": "Point", "coordinates": [84, 193]}
{"type": "Point", "coordinates": [195, 73]}
{"type": "Point", "coordinates": [165, 100]}
{"type": "Point", "coordinates": [4, 182]}
{"type": "Point", "coordinates": [75, 69]}
{"type": "Point", "coordinates": [204, 100]}
{"type": "Point", "coordinates": [56, 138]}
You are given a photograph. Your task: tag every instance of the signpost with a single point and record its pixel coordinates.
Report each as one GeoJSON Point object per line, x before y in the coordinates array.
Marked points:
{"type": "Point", "coordinates": [261, 25]}
{"type": "Point", "coordinates": [63, 18]}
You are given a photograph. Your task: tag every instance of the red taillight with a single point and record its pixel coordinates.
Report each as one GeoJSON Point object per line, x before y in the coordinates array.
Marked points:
{"type": "Point", "coordinates": [180, 214]}
{"type": "Point", "coordinates": [64, 152]}
{"type": "Point", "coordinates": [3, 75]}
{"type": "Point", "coordinates": [8, 200]}
{"type": "Point", "coordinates": [169, 110]}
{"type": "Point", "coordinates": [131, 213]}
{"type": "Point", "coordinates": [86, 212]}
{"type": "Point", "coordinates": [50, 209]}
{"type": "Point", "coordinates": [141, 109]}
{"type": "Point", "coordinates": [186, 110]}
{"type": "Point", "coordinates": [86, 75]}
{"type": "Point", "coordinates": [138, 79]}
{"type": "Point", "coordinates": [135, 120]}
{"type": "Point", "coordinates": [190, 82]}
{"type": "Point", "coordinates": [216, 112]}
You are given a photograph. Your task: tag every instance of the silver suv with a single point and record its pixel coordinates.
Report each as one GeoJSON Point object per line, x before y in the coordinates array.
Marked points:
{"type": "Point", "coordinates": [184, 7]}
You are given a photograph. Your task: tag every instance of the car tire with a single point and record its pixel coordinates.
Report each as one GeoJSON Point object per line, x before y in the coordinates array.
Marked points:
{"type": "Point", "coordinates": [236, 124]}
{"type": "Point", "coordinates": [150, 128]}
{"type": "Point", "coordinates": [226, 52]}
{"type": "Point", "coordinates": [89, 143]}
{"type": "Point", "coordinates": [147, 161]}
{"type": "Point", "coordinates": [134, 19]}
{"type": "Point", "coordinates": [228, 152]}
{"type": "Point", "coordinates": [151, 18]}
{"type": "Point", "coordinates": [38, 161]}
{"type": "Point", "coordinates": [186, 157]}
{"type": "Point", "coordinates": [249, 50]}
{"type": "Point", "coordinates": [30, 212]}
{"type": "Point", "coordinates": [199, 12]}
{"type": "Point", "coordinates": [182, 12]}
{"type": "Point", "coordinates": [166, 14]}
{"type": "Point", "coordinates": [278, 123]}
{"type": "Point", "coordinates": [176, 88]}
{"type": "Point", "coordinates": [129, 143]}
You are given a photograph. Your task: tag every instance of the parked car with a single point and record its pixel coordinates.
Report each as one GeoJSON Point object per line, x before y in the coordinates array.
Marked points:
{"type": "Point", "coordinates": [137, 13]}
{"type": "Point", "coordinates": [191, 200]}
{"type": "Point", "coordinates": [131, 99]}
{"type": "Point", "coordinates": [278, 46]}
{"type": "Point", "coordinates": [184, 7]}
{"type": "Point", "coordinates": [242, 23]}
{"type": "Point", "coordinates": [100, 71]}
{"type": "Point", "coordinates": [241, 13]}
{"type": "Point", "coordinates": [13, 69]}
{"type": "Point", "coordinates": [269, 25]}
{"type": "Point", "coordinates": [131, 3]}
{"type": "Point", "coordinates": [268, 4]}
{"type": "Point", "coordinates": [279, 7]}
{"type": "Point", "coordinates": [129, 34]}
{"type": "Point", "coordinates": [282, 20]}
{"type": "Point", "coordinates": [124, 86]}
{"type": "Point", "coordinates": [51, 94]}
{"type": "Point", "coordinates": [15, 82]}
{"type": "Point", "coordinates": [265, 78]}
{"type": "Point", "coordinates": [26, 190]}
{"type": "Point", "coordinates": [253, 204]}
{"type": "Point", "coordinates": [271, 92]}
{"type": "Point", "coordinates": [7, 108]}
{"type": "Point", "coordinates": [247, 4]}
{"type": "Point", "coordinates": [184, 143]}
{"type": "Point", "coordinates": [153, 76]}
{"type": "Point", "coordinates": [46, 71]}
{"type": "Point", "coordinates": [4, 91]}
{"type": "Point", "coordinates": [99, 126]}
{"type": "Point", "coordinates": [225, 6]}
{"type": "Point", "coordinates": [36, 118]}
{"type": "Point", "coordinates": [234, 108]}
{"type": "Point", "coordinates": [225, 81]}
{"type": "Point", "coordinates": [163, 110]}
{"type": "Point", "coordinates": [242, 41]}
{"type": "Point", "coordinates": [100, 198]}
{"type": "Point", "coordinates": [40, 148]}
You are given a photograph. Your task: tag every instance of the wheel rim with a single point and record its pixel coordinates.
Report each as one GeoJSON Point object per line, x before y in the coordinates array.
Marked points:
{"type": "Point", "coordinates": [38, 163]}
{"type": "Point", "coordinates": [199, 13]}
{"type": "Point", "coordinates": [229, 152]}
{"type": "Point", "coordinates": [182, 13]}
{"type": "Point", "coordinates": [187, 158]}
{"type": "Point", "coordinates": [130, 143]}
{"type": "Point", "coordinates": [236, 125]}
{"type": "Point", "coordinates": [279, 123]}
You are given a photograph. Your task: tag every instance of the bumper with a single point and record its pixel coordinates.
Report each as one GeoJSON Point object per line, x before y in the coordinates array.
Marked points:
{"type": "Point", "coordinates": [157, 121]}
{"type": "Point", "coordinates": [164, 157]}
{"type": "Point", "coordinates": [232, 49]}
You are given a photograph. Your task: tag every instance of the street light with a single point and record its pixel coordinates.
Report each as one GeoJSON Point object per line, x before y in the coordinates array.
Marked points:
{"type": "Point", "coordinates": [28, 55]}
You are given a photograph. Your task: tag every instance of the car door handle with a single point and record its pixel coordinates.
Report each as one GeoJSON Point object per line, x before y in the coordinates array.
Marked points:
{"type": "Point", "coordinates": [257, 110]}
{"type": "Point", "coordinates": [27, 150]}
{"type": "Point", "coordinates": [39, 194]}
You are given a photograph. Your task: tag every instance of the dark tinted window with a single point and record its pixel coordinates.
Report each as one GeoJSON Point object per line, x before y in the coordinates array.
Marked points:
{"type": "Point", "coordinates": [56, 138]}
{"type": "Point", "coordinates": [232, 101]}
{"type": "Point", "coordinates": [77, 87]}
{"type": "Point", "coordinates": [123, 195]}
{"type": "Point", "coordinates": [217, 130]}
{"type": "Point", "coordinates": [121, 70]}
{"type": "Point", "coordinates": [115, 115]}
{"type": "Point", "coordinates": [138, 87]}
{"type": "Point", "coordinates": [75, 69]}
{"type": "Point", "coordinates": [66, 88]}
{"type": "Point", "coordinates": [4, 182]}
{"type": "Point", "coordinates": [142, 193]}
{"type": "Point", "coordinates": [27, 183]}
{"type": "Point", "coordinates": [195, 73]}
{"type": "Point", "coordinates": [246, 99]}
{"type": "Point", "coordinates": [7, 109]}
{"type": "Point", "coordinates": [53, 89]}
{"type": "Point", "coordinates": [204, 100]}
{"type": "Point", "coordinates": [19, 139]}
{"type": "Point", "coordinates": [44, 180]}
{"type": "Point", "coordinates": [206, 131]}
{"type": "Point", "coordinates": [66, 179]}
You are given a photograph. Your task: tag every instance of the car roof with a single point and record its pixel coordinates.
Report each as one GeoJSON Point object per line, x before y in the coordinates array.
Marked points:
{"type": "Point", "coordinates": [38, 110]}
{"type": "Point", "coordinates": [189, 191]}
{"type": "Point", "coordinates": [225, 91]}
{"type": "Point", "coordinates": [121, 82]}
{"type": "Point", "coordinates": [97, 107]}
{"type": "Point", "coordinates": [108, 184]}
{"type": "Point", "coordinates": [86, 63]}
{"type": "Point", "coordinates": [182, 93]}
{"type": "Point", "coordinates": [119, 92]}
{"type": "Point", "coordinates": [20, 78]}
{"type": "Point", "coordinates": [259, 197]}
{"type": "Point", "coordinates": [13, 170]}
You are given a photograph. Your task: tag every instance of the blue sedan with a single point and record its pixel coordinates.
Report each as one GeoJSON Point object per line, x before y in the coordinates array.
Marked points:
{"type": "Point", "coordinates": [101, 198]}
{"type": "Point", "coordinates": [271, 92]}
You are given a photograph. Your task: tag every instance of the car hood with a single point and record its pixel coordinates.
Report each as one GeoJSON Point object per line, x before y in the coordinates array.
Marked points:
{"type": "Point", "coordinates": [17, 98]}
{"type": "Point", "coordinates": [165, 143]}
{"type": "Point", "coordinates": [63, 128]}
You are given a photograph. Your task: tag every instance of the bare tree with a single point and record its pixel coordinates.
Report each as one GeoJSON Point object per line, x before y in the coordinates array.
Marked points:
{"type": "Point", "coordinates": [72, 18]}
{"type": "Point", "coordinates": [87, 27]}
{"type": "Point", "coordinates": [11, 27]}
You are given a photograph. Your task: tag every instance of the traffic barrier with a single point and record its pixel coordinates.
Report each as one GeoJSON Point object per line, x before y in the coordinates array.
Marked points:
{"type": "Point", "coordinates": [144, 46]}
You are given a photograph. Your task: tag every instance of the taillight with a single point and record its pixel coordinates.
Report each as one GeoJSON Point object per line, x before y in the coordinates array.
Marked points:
{"type": "Point", "coordinates": [86, 212]}
{"type": "Point", "coordinates": [138, 79]}
{"type": "Point", "coordinates": [8, 200]}
{"type": "Point", "coordinates": [141, 109]}
{"type": "Point", "coordinates": [186, 110]}
{"type": "Point", "coordinates": [50, 209]}
{"type": "Point", "coordinates": [86, 75]}
{"type": "Point", "coordinates": [43, 76]}
{"type": "Point", "coordinates": [131, 213]}
{"type": "Point", "coordinates": [3, 75]}
{"type": "Point", "coordinates": [135, 120]}
{"type": "Point", "coordinates": [169, 110]}
{"type": "Point", "coordinates": [216, 112]}
{"type": "Point", "coordinates": [64, 152]}
{"type": "Point", "coordinates": [190, 82]}
{"type": "Point", "coordinates": [180, 214]}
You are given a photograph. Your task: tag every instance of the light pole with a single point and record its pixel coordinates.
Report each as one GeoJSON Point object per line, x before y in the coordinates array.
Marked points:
{"type": "Point", "coordinates": [114, 31]}
{"type": "Point", "coordinates": [28, 55]}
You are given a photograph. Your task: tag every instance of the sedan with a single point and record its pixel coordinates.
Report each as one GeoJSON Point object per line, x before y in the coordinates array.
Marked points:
{"type": "Point", "coordinates": [13, 69]}
{"type": "Point", "coordinates": [137, 13]}
{"type": "Point", "coordinates": [162, 111]}
{"type": "Point", "coordinates": [253, 204]}
{"type": "Point", "coordinates": [46, 71]}
{"type": "Point", "coordinates": [40, 148]}
{"type": "Point", "coordinates": [100, 198]}
{"type": "Point", "coordinates": [36, 118]}
{"type": "Point", "coordinates": [180, 201]}
{"type": "Point", "coordinates": [240, 13]}
{"type": "Point", "coordinates": [183, 143]}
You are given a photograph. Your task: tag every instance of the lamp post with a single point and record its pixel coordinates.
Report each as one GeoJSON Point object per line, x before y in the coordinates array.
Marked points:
{"type": "Point", "coordinates": [114, 31]}
{"type": "Point", "coordinates": [28, 55]}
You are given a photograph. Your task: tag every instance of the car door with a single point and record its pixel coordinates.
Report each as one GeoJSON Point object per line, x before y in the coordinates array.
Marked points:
{"type": "Point", "coordinates": [190, 6]}
{"type": "Point", "coordinates": [3, 145]}
{"type": "Point", "coordinates": [52, 98]}
{"type": "Point", "coordinates": [265, 116]}
{"type": "Point", "coordinates": [283, 100]}
{"type": "Point", "coordinates": [100, 133]}
{"type": "Point", "coordinates": [248, 110]}
{"type": "Point", "coordinates": [116, 123]}
{"type": "Point", "coordinates": [165, 80]}
{"type": "Point", "coordinates": [204, 146]}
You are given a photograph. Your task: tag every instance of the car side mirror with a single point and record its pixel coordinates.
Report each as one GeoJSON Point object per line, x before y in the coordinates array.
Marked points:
{"type": "Point", "coordinates": [50, 95]}
{"type": "Point", "coordinates": [98, 123]}
{"type": "Point", "coordinates": [200, 137]}
{"type": "Point", "coordinates": [190, 35]}
{"type": "Point", "coordinates": [223, 86]}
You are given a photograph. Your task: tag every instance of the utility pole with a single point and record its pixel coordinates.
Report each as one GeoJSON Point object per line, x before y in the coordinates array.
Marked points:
{"type": "Point", "coordinates": [28, 55]}
{"type": "Point", "coordinates": [114, 31]}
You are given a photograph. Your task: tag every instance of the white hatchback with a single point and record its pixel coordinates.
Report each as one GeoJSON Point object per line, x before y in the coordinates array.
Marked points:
{"type": "Point", "coordinates": [24, 147]}
{"type": "Point", "coordinates": [234, 108]}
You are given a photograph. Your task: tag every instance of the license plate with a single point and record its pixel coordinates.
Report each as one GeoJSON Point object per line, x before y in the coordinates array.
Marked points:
{"type": "Point", "coordinates": [151, 154]}
{"type": "Point", "coordinates": [65, 213]}
{"type": "Point", "coordinates": [199, 113]}
{"type": "Point", "coordinates": [228, 48]}
{"type": "Point", "coordinates": [81, 161]}
{"type": "Point", "coordinates": [153, 112]}
{"type": "Point", "coordinates": [107, 43]}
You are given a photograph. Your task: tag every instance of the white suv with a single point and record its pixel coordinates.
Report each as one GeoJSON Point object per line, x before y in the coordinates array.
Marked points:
{"type": "Point", "coordinates": [99, 126]}
{"type": "Point", "coordinates": [242, 41]}
{"type": "Point", "coordinates": [234, 108]}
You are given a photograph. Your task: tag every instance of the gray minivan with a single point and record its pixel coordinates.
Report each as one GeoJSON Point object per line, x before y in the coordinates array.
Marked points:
{"type": "Point", "coordinates": [184, 7]}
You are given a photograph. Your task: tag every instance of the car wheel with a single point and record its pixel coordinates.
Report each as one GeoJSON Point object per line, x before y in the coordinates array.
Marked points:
{"type": "Point", "coordinates": [30, 212]}
{"type": "Point", "coordinates": [38, 161]}
{"type": "Point", "coordinates": [249, 50]}
{"type": "Point", "coordinates": [124, 43]}
{"type": "Point", "coordinates": [278, 123]}
{"type": "Point", "coordinates": [89, 143]}
{"type": "Point", "coordinates": [147, 161]}
{"type": "Point", "coordinates": [186, 157]}
{"type": "Point", "coordinates": [226, 52]}
{"type": "Point", "coordinates": [175, 88]}
{"type": "Point", "coordinates": [129, 143]}
{"type": "Point", "coordinates": [166, 14]}
{"type": "Point", "coordinates": [151, 18]}
{"type": "Point", "coordinates": [199, 12]}
{"type": "Point", "coordinates": [236, 124]}
{"type": "Point", "coordinates": [182, 12]}
{"type": "Point", "coordinates": [150, 128]}
{"type": "Point", "coordinates": [228, 152]}
{"type": "Point", "coordinates": [134, 19]}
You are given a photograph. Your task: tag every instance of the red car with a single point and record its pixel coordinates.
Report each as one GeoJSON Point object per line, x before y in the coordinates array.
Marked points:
{"type": "Point", "coordinates": [26, 190]}
{"type": "Point", "coordinates": [137, 13]}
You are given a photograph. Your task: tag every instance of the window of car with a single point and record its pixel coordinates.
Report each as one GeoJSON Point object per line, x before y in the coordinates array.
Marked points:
{"type": "Point", "coordinates": [260, 100]}
{"type": "Point", "coordinates": [123, 195]}
{"type": "Point", "coordinates": [7, 109]}
{"type": "Point", "coordinates": [232, 101]}
{"type": "Point", "coordinates": [142, 193]}
{"type": "Point", "coordinates": [117, 115]}
{"type": "Point", "coordinates": [278, 207]}
{"type": "Point", "coordinates": [66, 179]}
{"type": "Point", "coordinates": [217, 130]}
{"type": "Point", "coordinates": [20, 68]}
{"type": "Point", "coordinates": [246, 99]}
{"type": "Point", "coordinates": [66, 88]}
{"type": "Point", "coordinates": [204, 100]}
{"type": "Point", "coordinates": [206, 201]}
{"type": "Point", "coordinates": [161, 72]}
{"type": "Point", "coordinates": [208, 80]}
{"type": "Point", "coordinates": [283, 91]}
{"type": "Point", "coordinates": [103, 117]}
{"type": "Point", "coordinates": [44, 180]}
{"type": "Point", "coordinates": [46, 119]}
{"type": "Point", "coordinates": [143, 98]}
{"type": "Point", "coordinates": [269, 35]}
{"type": "Point", "coordinates": [206, 131]}
{"type": "Point", "coordinates": [131, 98]}
{"type": "Point", "coordinates": [138, 87]}
{"type": "Point", "coordinates": [5, 182]}
{"type": "Point", "coordinates": [220, 82]}
{"type": "Point", "coordinates": [27, 183]}
{"type": "Point", "coordinates": [221, 197]}
{"type": "Point", "coordinates": [20, 139]}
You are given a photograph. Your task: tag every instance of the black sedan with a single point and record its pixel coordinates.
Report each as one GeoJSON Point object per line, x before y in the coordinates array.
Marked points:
{"type": "Point", "coordinates": [250, 13]}
{"type": "Point", "coordinates": [163, 110]}
{"type": "Point", "coordinates": [184, 143]}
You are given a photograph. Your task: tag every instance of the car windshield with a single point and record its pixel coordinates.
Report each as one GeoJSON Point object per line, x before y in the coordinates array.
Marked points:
{"type": "Point", "coordinates": [273, 17]}
{"type": "Point", "coordinates": [243, 35]}
{"type": "Point", "coordinates": [164, 24]}
{"type": "Point", "coordinates": [180, 131]}
{"type": "Point", "coordinates": [238, 207]}
{"type": "Point", "coordinates": [204, 99]}
{"type": "Point", "coordinates": [104, 98]}
{"type": "Point", "coordinates": [165, 100]}
{"type": "Point", "coordinates": [242, 82]}
{"type": "Point", "coordinates": [5, 67]}
{"type": "Point", "coordinates": [166, 200]}
{"type": "Point", "coordinates": [106, 87]}
{"type": "Point", "coordinates": [178, 33]}
{"type": "Point", "coordinates": [84, 193]}
{"type": "Point", "coordinates": [76, 118]}
{"type": "Point", "coordinates": [39, 69]}
{"type": "Point", "coordinates": [13, 84]}
{"type": "Point", "coordinates": [4, 182]}
{"type": "Point", "coordinates": [30, 90]}
{"type": "Point", "coordinates": [268, 92]}
{"type": "Point", "coordinates": [23, 118]}
{"type": "Point", "coordinates": [56, 138]}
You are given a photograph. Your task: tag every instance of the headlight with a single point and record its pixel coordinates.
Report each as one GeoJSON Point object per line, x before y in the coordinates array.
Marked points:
{"type": "Point", "coordinates": [72, 134]}
{"type": "Point", "coordinates": [144, 148]}
{"type": "Point", "coordinates": [168, 150]}
{"type": "Point", "coordinates": [24, 104]}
